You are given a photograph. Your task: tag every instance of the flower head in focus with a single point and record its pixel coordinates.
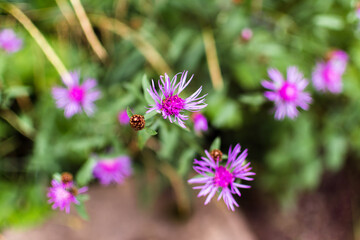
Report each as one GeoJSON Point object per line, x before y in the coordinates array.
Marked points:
{"type": "Point", "coordinates": [287, 94]}
{"type": "Point", "coordinates": [113, 170]}
{"type": "Point", "coordinates": [200, 122]}
{"type": "Point", "coordinates": [9, 41]}
{"type": "Point", "coordinates": [223, 178]}
{"type": "Point", "coordinates": [76, 97]}
{"type": "Point", "coordinates": [327, 76]}
{"type": "Point", "coordinates": [123, 118]}
{"type": "Point", "coordinates": [170, 104]}
{"type": "Point", "coordinates": [63, 193]}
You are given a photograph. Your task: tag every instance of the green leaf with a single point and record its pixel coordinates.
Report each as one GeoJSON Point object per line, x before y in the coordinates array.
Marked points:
{"type": "Point", "coordinates": [83, 197]}
{"type": "Point", "coordinates": [143, 136]}
{"type": "Point", "coordinates": [150, 131]}
{"type": "Point", "coordinates": [186, 128]}
{"type": "Point", "coordinates": [329, 21]}
{"type": "Point", "coordinates": [248, 75]}
{"type": "Point", "coordinates": [149, 115]}
{"type": "Point", "coordinates": [253, 99]}
{"type": "Point", "coordinates": [169, 137]}
{"type": "Point", "coordinates": [129, 112]}
{"type": "Point", "coordinates": [335, 148]}
{"type": "Point", "coordinates": [84, 175]}
{"type": "Point", "coordinates": [17, 91]}
{"type": "Point", "coordinates": [81, 210]}
{"type": "Point", "coordinates": [57, 177]}
{"type": "Point", "coordinates": [310, 174]}
{"type": "Point", "coordinates": [185, 161]}
{"type": "Point", "coordinates": [146, 85]}
{"type": "Point", "coordinates": [216, 144]}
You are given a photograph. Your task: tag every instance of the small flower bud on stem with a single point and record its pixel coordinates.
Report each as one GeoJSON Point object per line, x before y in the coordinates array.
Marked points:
{"type": "Point", "coordinates": [137, 122]}
{"type": "Point", "coordinates": [66, 177]}
{"type": "Point", "coordinates": [216, 154]}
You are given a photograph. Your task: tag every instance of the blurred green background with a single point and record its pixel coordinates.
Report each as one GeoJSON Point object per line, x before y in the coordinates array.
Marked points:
{"type": "Point", "coordinates": [289, 156]}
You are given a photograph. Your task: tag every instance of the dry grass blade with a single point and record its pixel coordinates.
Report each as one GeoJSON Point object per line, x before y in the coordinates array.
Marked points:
{"type": "Point", "coordinates": [212, 59]}
{"type": "Point", "coordinates": [88, 30]}
{"type": "Point", "coordinates": [37, 36]}
{"type": "Point", "coordinates": [145, 48]}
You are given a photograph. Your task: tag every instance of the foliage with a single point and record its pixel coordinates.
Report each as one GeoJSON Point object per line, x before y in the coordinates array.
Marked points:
{"type": "Point", "coordinates": [290, 156]}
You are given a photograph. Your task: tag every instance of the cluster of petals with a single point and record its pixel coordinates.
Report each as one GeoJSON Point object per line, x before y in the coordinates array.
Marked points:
{"type": "Point", "coordinates": [223, 178]}
{"type": "Point", "coordinates": [200, 122]}
{"type": "Point", "coordinates": [246, 34]}
{"type": "Point", "coordinates": [9, 42]}
{"type": "Point", "coordinates": [113, 170]}
{"type": "Point", "coordinates": [358, 10]}
{"type": "Point", "coordinates": [287, 94]}
{"type": "Point", "coordinates": [62, 195]}
{"type": "Point", "coordinates": [169, 103]}
{"type": "Point", "coordinates": [76, 97]}
{"type": "Point", "coordinates": [327, 76]}
{"type": "Point", "coordinates": [123, 118]}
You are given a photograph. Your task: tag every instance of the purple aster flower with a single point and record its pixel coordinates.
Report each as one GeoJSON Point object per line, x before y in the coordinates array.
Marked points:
{"type": "Point", "coordinates": [112, 170]}
{"type": "Point", "coordinates": [123, 118]}
{"type": "Point", "coordinates": [327, 76]}
{"type": "Point", "coordinates": [200, 122]}
{"type": "Point", "coordinates": [168, 102]}
{"type": "Point", "coordinates": [63, 194]}
{"type": "Point", "coordinates": [287, 94]}
{"type": "Point", "coordinates": [76, 97]}
{"type": "Point", "coordinates": [223, 178]}
{"type": "Point", "coordinates": [246, 34]}
{"type": "Point", "coordinates": [9, 41]}
{"type": "Point", "coordinates": [338, 59]}
{"type": "Point", "coordinates": [358, 10]}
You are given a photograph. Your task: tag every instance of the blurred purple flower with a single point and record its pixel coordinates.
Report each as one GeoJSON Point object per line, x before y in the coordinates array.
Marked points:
{"type": "Point", "coordinates": [63, 194]}
{"type": "Point", "coordinates": [223, 178]}
{"type": "Point", "coordinates": [112, 170]}
{"type": "Point", "coordinates": [200, 122]}
{"type": "Point", "coordinates": [327, 76]}
{"type": "Point", "coordinates": [76, 97]}
{"type": "Point", "coordinates": [246, 34]}
{"type": "Point", "coordinates": [9, 41]}
{"type": "Point", "coordinates": [339, 59]}
{"type": "Point", "coordinates": [168, 102]}
{"type": "Point", "coordinates": [287, 94]}
{"type": "Point", "coordinates": [123, 118]}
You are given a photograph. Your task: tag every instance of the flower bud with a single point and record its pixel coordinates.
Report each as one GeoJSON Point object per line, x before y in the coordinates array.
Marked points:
{"type": "Point", "coordinates": [216, 154]}
{"type": "Point", "coordinates": [137, 122]}
{"type": "Point", "coordinates": [66, 177]}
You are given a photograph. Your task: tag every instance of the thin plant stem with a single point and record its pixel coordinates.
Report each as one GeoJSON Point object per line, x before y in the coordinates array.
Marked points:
{"type": "Point", "coordinates": [144, 47]}
{"type": "Point", "coordinates": [177, 183]}
{"type": "Point", "coordinates": [66, 11]}
{"type": "Point", "coordinates": [88, 30]}
{"type": "Point", "coordinates": [212, 59]}
{"type": "Point", "coordinates": [38, 37]}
